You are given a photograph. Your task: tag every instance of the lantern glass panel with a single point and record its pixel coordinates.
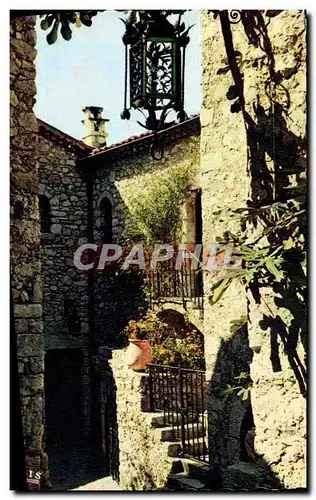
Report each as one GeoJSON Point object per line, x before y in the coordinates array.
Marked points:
{"type": "Point", "coordinates": [160, 75]}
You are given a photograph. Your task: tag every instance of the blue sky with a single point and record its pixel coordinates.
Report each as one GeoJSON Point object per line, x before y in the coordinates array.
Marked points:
{"type": "Point", "coordinates": [89, 71]}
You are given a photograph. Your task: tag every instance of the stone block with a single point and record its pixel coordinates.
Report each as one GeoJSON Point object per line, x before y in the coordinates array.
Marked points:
{"type": "Point", "coordinates": [26, 87]}
{"type": "Point", "coordinates": [30, 385]}
{"type": "Point", "coordinates": [28, 122]}
{"type": "Point", "coordinates": [23, 48]}
{"type": "Point", "coordinates": [36, 364]}
{"type": "Point", "coordinates": [37, 291]}
{"type": "Point", "coordinates": [13, 98]}
{"type": "Point", "coordinates": [27, 310]}
{"type": "Point", "coordinates": [56, 228]}
{"type": "Point", "coordinates": [33, 461]}
{"type": "Point", "coordinates": [21, 367]}
{"type": "Point", "coordinates": [21, 326]}
{"type": "Point", "coordinates": [30, 345]}
{"type": "Point", "coordinates": [41, 188]}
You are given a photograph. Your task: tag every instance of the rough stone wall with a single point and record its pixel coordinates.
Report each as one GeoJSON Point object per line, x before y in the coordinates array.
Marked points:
{"type": "Point", "coordinates": [224, 185]}
{"type": "Point", "coordinates": [122, 182]}
{"type": "Point", "coordinates": [25, 239]}
{"type": "Point", "coordinates": [61, 183]}
{"type": "Point", "coordinates": [228, 180]}
{"type": "Point", "coordinates": [143, 457]}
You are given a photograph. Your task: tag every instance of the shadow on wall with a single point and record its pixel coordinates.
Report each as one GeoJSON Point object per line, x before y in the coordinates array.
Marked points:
{"type": "Point", "coordinates": [235, 465]}
{"type": "Point", "coordinates": [268, 134]}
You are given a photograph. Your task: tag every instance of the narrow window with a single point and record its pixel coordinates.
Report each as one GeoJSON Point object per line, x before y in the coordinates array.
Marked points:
{"type": "Point", "coordinates": [45, 213]}
{"type": "Point", "coordinates": [106, 217]}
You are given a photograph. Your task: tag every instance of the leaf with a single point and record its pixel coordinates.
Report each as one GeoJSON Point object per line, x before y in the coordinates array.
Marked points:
{"type": "Point", "coordinates": [223, 71]}
{"type": "Point", "coordinates": [232, 92]}
{"type": "Point", "coordinates": [237, 324]}
{"type": "Point", "coordinates": [44, 24]}
{"type": "Point", "coordinates": [242, 375]}
{"type": "Point", "coordinates": [272, 13]}
{"type": "Point", "coordinates": [288, 244]}
{"type": "Point", "coordinates": [244, 393]}
{"type": "Point", "coordinates": [65, 31]}
{"type": "Point", "coordinates": [236, 107]}
{"type": "Point", "coordinates": [238, 54]}
{"type": "Point", "coordinates": [273, 269]}
{"type": "Point", "coordinates": [52, 36]}
{"type": "Point", "coordinates": [86, 21]}
{"type": "Point", "coordinates": [219, 289]}
{"type": "Point", "coordinates": [228, 389]}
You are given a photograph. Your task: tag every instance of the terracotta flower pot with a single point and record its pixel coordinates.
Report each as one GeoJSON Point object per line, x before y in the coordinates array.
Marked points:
{"type": "Point", "coordinates": [138, 354]}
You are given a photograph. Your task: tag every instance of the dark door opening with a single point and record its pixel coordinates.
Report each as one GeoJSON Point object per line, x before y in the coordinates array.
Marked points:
{"type": "Point", "coordinates": [63, 404]}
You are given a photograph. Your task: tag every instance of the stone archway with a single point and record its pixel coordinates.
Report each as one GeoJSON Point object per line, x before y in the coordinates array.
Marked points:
{"type": "Point", "coordinates": [177, 319]}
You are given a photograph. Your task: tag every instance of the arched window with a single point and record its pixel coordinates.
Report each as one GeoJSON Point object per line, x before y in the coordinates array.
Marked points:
{"type": "Point", "coordinates": [45, 213]}
{"type": "Point", "coordinates": [106, 217]}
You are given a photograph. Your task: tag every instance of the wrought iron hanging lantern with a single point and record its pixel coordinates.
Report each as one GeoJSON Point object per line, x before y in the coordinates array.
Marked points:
{"type": "Point", "coordinates": [154, 70]}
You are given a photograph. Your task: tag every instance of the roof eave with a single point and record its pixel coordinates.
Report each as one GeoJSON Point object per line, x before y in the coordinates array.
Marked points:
{"type": "Point", "coordinates": [96, 159]}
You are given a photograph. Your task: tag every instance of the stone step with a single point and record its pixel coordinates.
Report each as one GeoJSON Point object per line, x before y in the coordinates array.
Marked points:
{"type": "Point", "coordinates": [158, 420]}
{"type": "Point", "coordinates": [191, 431]}
{"type": "Point", "coordinates": [197, 448]}
{"type": "Point", "coordinates": [161, 420]}
{"type": "Point", "coordinates": [183, 482]}
{"type": "Point", "coordinates": [174, 449]}
{"type": "Point", "coordinates": [190, 467]}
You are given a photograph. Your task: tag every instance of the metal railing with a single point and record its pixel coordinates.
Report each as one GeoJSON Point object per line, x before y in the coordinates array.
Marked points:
{"type": "Point", "coordinates": [167, 282]}
{"type": "Point", "coordinates": [181, 395]}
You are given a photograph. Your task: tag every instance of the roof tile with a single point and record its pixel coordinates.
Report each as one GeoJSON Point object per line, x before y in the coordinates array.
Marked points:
{"type": "Point", "coordinates": [132, 138]}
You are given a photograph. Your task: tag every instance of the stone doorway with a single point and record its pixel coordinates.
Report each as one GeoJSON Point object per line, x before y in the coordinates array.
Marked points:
{"type": "Point", "coordinates": [63, 398]}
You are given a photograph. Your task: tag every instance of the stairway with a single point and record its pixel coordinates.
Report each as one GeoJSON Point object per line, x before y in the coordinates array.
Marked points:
{"type": "Point", "coordinates": [185, 473]}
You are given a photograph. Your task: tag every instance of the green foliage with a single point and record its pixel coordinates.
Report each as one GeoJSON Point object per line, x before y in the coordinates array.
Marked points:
{"type": "Point", "coordinates": [170, 346]}
{"type": "Point", "coordinates": [278, 254]}
{"type": "Point", "coordinates": [242, 386]}
{"type": "Point", "coordinates": [186, 352]}
{"type": "Point", "coordinates": [236, 325]}
{"type": "Point", "coordinates": [62, 21]}
{"type": "Point", "coordinates": [148, 327]}
{"type": "Point", "coordinates": [156, 215]}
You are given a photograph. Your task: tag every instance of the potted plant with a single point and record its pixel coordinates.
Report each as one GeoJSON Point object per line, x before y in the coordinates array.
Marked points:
{"type": "Point", "coordinates": [138, 353]}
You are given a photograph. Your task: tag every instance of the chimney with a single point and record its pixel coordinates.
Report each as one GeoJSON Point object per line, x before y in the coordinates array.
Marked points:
{"type": "Point", "coordinates": [94, 133]}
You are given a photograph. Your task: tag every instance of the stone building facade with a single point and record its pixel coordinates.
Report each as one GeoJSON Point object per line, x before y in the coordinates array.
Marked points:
{"type": "Point", "coordinates": [83, 311]}
{"type": "Point", "coordinates": [62, 197]}
{"type": "Point", "coordinates": [237, 151]}
{"type": "Point", "coordinates": [89, 195]}
{"type": "Point", "coordinates": [26, 284]}
{"type": "Point", "coordinates": [121, 174]}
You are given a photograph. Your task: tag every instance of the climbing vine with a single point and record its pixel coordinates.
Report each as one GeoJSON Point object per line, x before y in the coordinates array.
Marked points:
{"type": "Point", "coordinates": [156, 214]}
